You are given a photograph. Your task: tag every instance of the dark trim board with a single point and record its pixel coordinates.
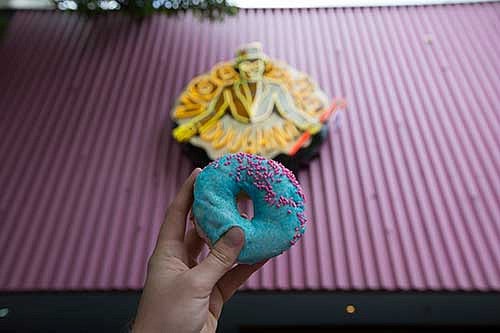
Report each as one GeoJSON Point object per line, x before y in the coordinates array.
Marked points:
{"type": "Point", "coordinates": [372, 309]}
{"type": "Point", "coordinates": [265, 311]}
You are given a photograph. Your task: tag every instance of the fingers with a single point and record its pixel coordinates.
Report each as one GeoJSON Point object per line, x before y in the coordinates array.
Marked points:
{"type": "Point", "coordinates": [233, 279]}
{"type": "Point", "coordinates": [194, 244]}
{"type": "Point", "coordinates": [174, 226]}
{"type": "Point", "coordinates": [221, 258]}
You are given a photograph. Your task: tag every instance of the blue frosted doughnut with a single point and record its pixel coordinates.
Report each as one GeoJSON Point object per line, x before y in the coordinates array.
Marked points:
{"type": "Point", "coordinates": [279, 220]}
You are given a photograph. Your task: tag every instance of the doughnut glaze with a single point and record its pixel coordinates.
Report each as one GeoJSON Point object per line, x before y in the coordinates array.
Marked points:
{"type": "Point", "coordinates": [279, 219]}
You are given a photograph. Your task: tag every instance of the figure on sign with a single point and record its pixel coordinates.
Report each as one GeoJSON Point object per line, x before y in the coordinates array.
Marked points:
{"type": "Point", "coordinates": [252, 104]}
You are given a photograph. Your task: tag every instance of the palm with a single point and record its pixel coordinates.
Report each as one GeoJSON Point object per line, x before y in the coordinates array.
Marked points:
{"type": "Point", "coordinates": [214, 308]}
{"type": "Point", "coordinates": [184, 256]}
{"type": "Point", "coordinates": [181, 258]}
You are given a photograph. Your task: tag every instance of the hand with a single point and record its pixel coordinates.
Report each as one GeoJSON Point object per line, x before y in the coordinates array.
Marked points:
{"type": "Point", "coordinates": [181, 295]}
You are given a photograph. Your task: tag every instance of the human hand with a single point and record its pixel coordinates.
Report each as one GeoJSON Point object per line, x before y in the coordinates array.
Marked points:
{"type": "Point", "coordinates": [181, 295]}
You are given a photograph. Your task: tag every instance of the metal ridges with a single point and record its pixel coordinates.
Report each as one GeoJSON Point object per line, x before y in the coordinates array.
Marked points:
{"type": "Point", "coordinates": [405, 196]}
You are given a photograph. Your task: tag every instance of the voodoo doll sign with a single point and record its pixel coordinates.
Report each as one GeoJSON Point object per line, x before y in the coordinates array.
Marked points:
{"type": "Point", "coordinates": [252, 104]}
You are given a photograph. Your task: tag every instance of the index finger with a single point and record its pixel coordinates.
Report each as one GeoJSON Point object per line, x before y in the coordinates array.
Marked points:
{"type": "Point", "coordinates": [174, 226]}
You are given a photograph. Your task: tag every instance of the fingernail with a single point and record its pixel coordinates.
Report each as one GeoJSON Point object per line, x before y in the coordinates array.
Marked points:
{"type": "Point", "coordinates": [234, 237]}
{"type": "Point", "coordinates": [195, 172]}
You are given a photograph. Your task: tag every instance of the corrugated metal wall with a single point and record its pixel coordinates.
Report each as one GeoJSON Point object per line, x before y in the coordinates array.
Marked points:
{"type": "Point", "coordinates": [404, 196]}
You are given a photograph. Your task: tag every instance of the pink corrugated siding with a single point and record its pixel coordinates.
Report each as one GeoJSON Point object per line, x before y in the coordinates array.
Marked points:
{"type": "Point", "coordinates": [404, 196]}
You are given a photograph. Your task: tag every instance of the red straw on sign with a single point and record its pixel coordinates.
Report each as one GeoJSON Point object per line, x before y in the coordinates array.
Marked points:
{"type": "Point", "coordinates": [336, 104]}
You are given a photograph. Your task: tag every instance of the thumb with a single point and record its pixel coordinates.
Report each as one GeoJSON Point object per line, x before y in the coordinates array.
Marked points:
{"type": "Point", "coordinates": [221, 258]}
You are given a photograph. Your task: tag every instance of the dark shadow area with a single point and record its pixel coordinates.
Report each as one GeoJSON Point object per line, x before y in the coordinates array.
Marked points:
{"type": "Point", "coordinates": [268, 312]}
{"type": "Point", "coordinates": [5, 16]}
{"type": "Point", "coordinates": [367, 329]}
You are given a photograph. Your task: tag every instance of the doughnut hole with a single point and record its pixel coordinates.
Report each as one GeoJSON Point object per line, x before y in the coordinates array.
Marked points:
{"type": "Point", "coordinates": [245, 205]}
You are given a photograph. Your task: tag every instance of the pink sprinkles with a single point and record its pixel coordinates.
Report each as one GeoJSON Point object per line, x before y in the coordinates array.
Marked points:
{"type": "Point", "coordinates": [264, 173]}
